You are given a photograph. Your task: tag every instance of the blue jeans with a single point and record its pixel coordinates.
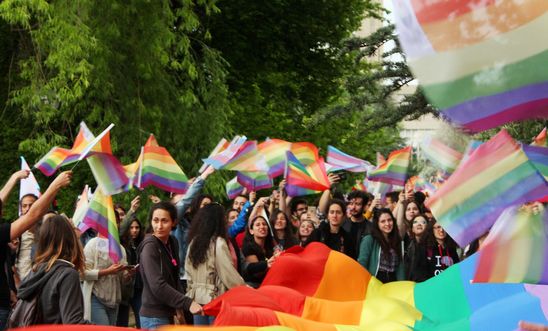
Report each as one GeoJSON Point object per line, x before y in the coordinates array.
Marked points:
{"type": "Point", "coordinates": [203, 319]}
{"type": "Point", "coordinates": [135, 304]}
{"type": "Point", "coordinates": [4, 314]}
{"type": "Point", "coordinates": [101, 314]}
{"type": "Point", "coordinates": [152, 323]}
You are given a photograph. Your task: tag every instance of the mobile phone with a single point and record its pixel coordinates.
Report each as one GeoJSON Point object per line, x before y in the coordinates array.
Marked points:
{"type": "Point", "coordinates": [377, 195]}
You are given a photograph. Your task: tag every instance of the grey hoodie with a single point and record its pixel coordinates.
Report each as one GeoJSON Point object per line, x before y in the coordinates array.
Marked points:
{"type": "Point", "coordinates": [61, 299]}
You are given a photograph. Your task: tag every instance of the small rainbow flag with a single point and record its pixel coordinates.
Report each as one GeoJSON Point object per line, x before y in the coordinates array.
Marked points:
{"type": "Point", "coordinates": [496, 176]}
{"type": "Point", "coordinates": [218, 160]}
{"type": "Point", "coordinates": [221, 146]}
{"type": "Point", "coordinates": [160, 169]}
{"type": "Point", "coordinates": [516, 249]}
{"type": "Point", "coordinates": [233, 188]}
{"type": "Point", "coordinates": [254, 181]}
{"type": "Point", "coordinates": [82, 206]}
{"type": "Point", "coordinates": [380, 159]}
{"type": "Point", "coordinates": [394, 170]}
{"type": "Point", "coordinates": [133, 170]}
{"type": "Point", "coordinates": [107, 169]}
{"type": "Point", "coordinates": [480, 62]}
{"type": "Point", "coordinates": [342, 161]}
{"type": "Point", "coordinates": [58, 157]}
{"type": "Point", "coordinates": [247, 159]}
{"type": "Point", "coordinates": [440, 154]}
{"type": "Point", "coordinates": [274, 151]}
{"type": "Point", "coordinates": [360, 185]}
{"type": "Point", "coordinates": [540, 140]}
{"type": "Point", "coordinates": [100, 216]}
{"type": "Point", "coordinates": [305, 180]}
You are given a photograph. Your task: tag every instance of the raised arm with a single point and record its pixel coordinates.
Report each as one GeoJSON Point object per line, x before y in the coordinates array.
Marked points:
{"type": "Point", "coordinates": [41, 205]}
{"type": "Point", "coordinates": [326, 195]}
{"type": "Point", "coordinates": [10, 184]}
{"type": "Point", "coordinates": [194, 189]}
{"type": "Point", "coordinates": [399, 212]}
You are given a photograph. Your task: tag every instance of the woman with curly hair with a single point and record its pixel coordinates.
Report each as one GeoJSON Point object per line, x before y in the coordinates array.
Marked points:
{"type": "Point", "coordinates": [380, 251]}
{"type": "Point", "coordinates": [210, 264]}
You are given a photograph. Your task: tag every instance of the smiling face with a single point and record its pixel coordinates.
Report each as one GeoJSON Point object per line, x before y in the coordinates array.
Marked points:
{"type": "Point", "coordinates": [386, 224]}
{"type": "Point", "coordinates": [238, 203]}
{"type": "Point", "coordinates": [419, 226]}
{"type": "Point", "coordinates": [161, 224]}
{"type": "Point", "coordinates": [259, 228]}
{"type": "Point", "coordinates": [335, 215]}
{"type": "Point", "coordinates": [306, 229]}
{"type": "Point", "coordinates": [411, 211]}
{"type": "Point", "coordinates": [280, 223]}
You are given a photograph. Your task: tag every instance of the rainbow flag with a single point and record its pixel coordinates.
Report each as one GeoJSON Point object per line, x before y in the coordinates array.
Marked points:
{"type": "Point", "coordinates": [360, 185]}
{"type": "Point", "coordinates": [480, 62]}
{"type": "Point", "coordinates": [254, 181]}
{"type": "Point", "coordinates": [380, 159]}
{"type": "Point", "coordinates": [440, 154]}
{"type": "Point", "coordinates": [132, 170]}
{"type": "Point", "coordinates": [58, 157]}
{"type": "Point", "coordinates": [496, 176]}
{"type": "Point", "coordinates": [516, 249]}
{"type": "Point", "coordinates": [221, 146]}
{"type": "Point", "coordinates": [233, 188]}
{"type": "Point", "coordinates": [274, 152]}
{"type": "Point", "coordinates": [394, 170]}
{"type": "Point", "coordinates": [82, 206]}
{"type": "Point", "coordinates": [218, 160]}
{"type": "Point", "coordinates": [160, 169]}
{"type": "Point", "coordinates": [472, 146]}
{"type": "Point", "coordinates": [305, 180]}
{"type": "Point", "coordinates": [303, 291]}
{"type": "Point", "coordinates": [540, 140]}
{"type": "Point", "coordinates": [247, 159]}
{"type": "Point", "coordinates": [106, 168]}
{"type": "Point", "coordinates": [539, 157]}
{"type": "Point", "coordinates": [100, 216]}
{"type": "Point", "coordinates": [342, 161]}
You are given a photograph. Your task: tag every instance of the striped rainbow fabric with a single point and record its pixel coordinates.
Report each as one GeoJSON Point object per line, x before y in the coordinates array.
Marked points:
{"type": "Point", "coordinates": [58, 157]}
{"type": "Point", "coordinates": [303, 291]}
{"type": "Point", "coordinates": [380, 159]}
{"type": "Point", "coordinates": [274, 152]}
{"type": "Point", "coordinates": [539, 157]}
{"type": "Point", "coordinates": [218, 160]}
{"type": "Point", "coordinates": [540, 140]}
{"type": "Point", "coordinates": [497, 175]}
{"type": "Point", "coordinates": [133, 170]}
{"type": "Point", "coordinates": [100, 216]}
{"type": "Point", "coordinates": [82, 206]}
{"type": "Point", "coordinates": [221, 146]}
{"type": "Point", "coordinates": [233, 188]}
{"type": "Point", "coordinates": [394, 170]}
{"type": "Point", "coordinates": [483, 63]}
{"type": "Point", "coordinates": [247, 159]}
{"type": "Point", "coordinates": [107, 170]}
{"type": "Point", "coordinates": [516, 249]}
{"type": "Point", "coordinates": [305, 180]}
{"type": "Point", "coordinates": [160, 169]}
{"type": "Point", "coordinates": [440, 154]}
{"type": "Point", "coordinates": [254, 181]}
{"type": "Point", "coordinates": [342, 161]}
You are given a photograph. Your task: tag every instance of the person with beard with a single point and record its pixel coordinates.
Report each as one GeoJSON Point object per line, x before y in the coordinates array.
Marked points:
{"type": "Point", "coordinates": [356, 224]}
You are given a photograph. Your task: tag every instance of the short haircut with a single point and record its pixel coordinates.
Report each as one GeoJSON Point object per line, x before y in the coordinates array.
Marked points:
{"type": "Point", "coordinates": [28, 195]}
{"type": "Point", "coordinates": [164, 205]}
{"type": "Point", "coordinates": [295, 203]}
{"type": "Point", "coordinates": [394, 195]}
{"type": "Point", "coordinates": [358, 194]}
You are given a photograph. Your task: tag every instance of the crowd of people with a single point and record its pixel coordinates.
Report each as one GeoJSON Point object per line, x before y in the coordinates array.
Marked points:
{"type": "Point", "coordinates": [191, 249]}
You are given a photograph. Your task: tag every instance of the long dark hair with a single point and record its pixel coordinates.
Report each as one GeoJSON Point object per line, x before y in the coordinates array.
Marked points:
{"type": "Point", "coordinates": [126, 237]}
{"type": "Point", "coordinates": [250, 240]}
{"type": "Point", "coordinates": [289, 238]}
{"type": "Point", "coordinates": [195, 205]}
{"type": "Point", "coordinates": [208, 224]}
{"type": "Point", "coordinates": [57, 240]}
{"type": "Point", "coordinates": [393, 241]}
{"type": "Point", "coordinates": [431, 241]}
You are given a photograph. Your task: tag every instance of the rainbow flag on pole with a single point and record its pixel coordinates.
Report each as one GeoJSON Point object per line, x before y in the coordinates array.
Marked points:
{"type": "Point", "coordinates": [100, 216]}
{"type": "Point", "coordinates": [305, 180]}
{"type": "Point", "coordinates": [218, 160]}
{"type": "Point", "coordinates": [496, 176]}
{"type": "Point", "coordinates": [342, 161]}
{"type": "Point", "coordinates": [107, 170]}
{"type": "Point", "coordinates": [160, 169]}
{"type": "Point", "coordinates": [274, 151]}
{"type": "Point", "coordinates": [247, 159]}
{"type": "Point", "coordinates": [394, 170]}
{"type": "Point", "coordinates": [233, 188]}
{"type": "Point", "coordinates": [483, 63]}
{"type": "Point", "coordinates": [516, 249]}
{"type": "Point", "coordinates": [58, 157]}
{"type": "Point", "coordinates": [221, 146]}
{"type": "Point", "coordinates": [133, 170]}
{"type": "Point", "coordinates": [440, 154]}
{"type": "Point", "coordinates": [254, 181]}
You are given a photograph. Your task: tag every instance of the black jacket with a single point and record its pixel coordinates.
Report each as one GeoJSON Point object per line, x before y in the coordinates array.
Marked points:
{"type": "Point", "coordinates": [61, 298]}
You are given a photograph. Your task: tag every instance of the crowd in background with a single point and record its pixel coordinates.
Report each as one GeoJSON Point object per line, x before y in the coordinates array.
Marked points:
{"type": "Point", "coordinates": [191, 249]}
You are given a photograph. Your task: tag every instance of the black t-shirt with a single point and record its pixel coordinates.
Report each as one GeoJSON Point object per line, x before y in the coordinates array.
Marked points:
{"type": "Point", "coordinates": [255, 272]}
{"type": "Point", "coordinates": [340, 241]}
{"type": "Point", "coordinates": [4, 253]}
{"type": "Point", "coordinates": [441, 258]}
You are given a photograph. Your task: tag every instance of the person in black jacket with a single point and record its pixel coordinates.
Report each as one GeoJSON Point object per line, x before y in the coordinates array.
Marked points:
{"type": "Point", "coordinates": [162, 297]}
{"type": "Point", "coordinates": [55, 276]}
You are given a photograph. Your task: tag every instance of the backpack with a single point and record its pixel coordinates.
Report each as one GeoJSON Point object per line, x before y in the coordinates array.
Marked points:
{"type": "Point", "coordinates": [26, 313]}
